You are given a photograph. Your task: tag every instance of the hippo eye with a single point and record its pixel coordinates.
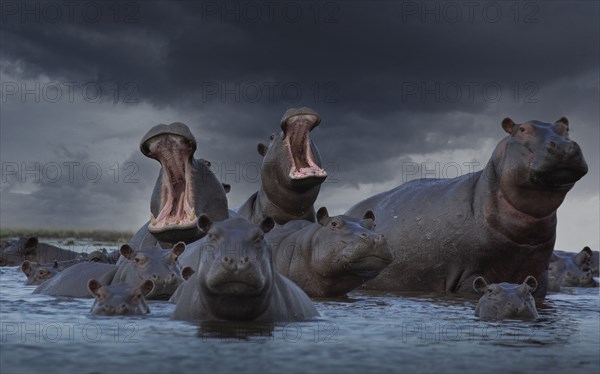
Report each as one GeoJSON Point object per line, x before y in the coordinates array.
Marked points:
{"type": "Point", "coordinates": [272, 136]}
{"type": "Point", "coordinates": [522, 129]}
{"type": "Point", "coordinates": [334, 224]}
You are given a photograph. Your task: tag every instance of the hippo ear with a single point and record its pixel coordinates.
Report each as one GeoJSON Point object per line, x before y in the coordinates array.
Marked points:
{"type": "Point", "coordinates": [564, 120]}
{"type": "Point", "coordinates": [479, 284]}
{"type": "Point", "coordinates": [30, 245]}
{"type": "Point", "coordinates": [187, 272]}
{"type": "Point", "coordinates": [55, 264]}
{"type": "Point", "coordinates": [226, 187]}
{"type": "Point", "coordinates": [262, 149]}
{"type": "Point", "coordinates": [582, 257]}
{"type": "Point", "coordinates": [26, 267]}
{"type": "Point", "coordinates": [267, 224]}
{"type": "Point", "coordinates": [322, 215]}
{"type": "Point", "coordinates": [145, 288]}
{"type": "Point", "coordinates": [508, 125]}
{"type": "Point", "coordinates": [178, 249]}
{"type": "Point", "coordinates": [204, 223]}
{"type": "Point", "coordinates": [531, 282]}
{"type": "Point", "coordinates": [94, 286]}
{"type": "Point", "coordinates": [126, 251]}
{"type": "Point", "coordinates": [370, 217]}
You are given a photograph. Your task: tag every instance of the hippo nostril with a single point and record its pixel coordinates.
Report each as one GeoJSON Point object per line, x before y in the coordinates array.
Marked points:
{"type": "Point", "coordinates": [364, 235]}
{"type": "Point", "coordinates": [225, 259]}
{"type": "Point", "coordinates": [154, 277]}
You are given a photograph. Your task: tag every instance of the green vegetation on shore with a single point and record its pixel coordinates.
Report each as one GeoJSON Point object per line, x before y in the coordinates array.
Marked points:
{"type": "Point", "coordinates": [96, 235]}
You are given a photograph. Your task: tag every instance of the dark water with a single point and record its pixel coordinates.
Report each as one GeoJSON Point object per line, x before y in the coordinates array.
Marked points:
{"type": "Point", "coordinates": [368, 332]}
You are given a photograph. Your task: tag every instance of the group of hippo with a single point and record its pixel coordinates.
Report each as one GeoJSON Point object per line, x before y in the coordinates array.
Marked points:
{"type": "Point", "coordinates": [491, 232]}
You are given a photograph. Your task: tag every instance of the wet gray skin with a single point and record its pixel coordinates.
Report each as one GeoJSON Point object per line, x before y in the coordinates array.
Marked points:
{"type": "Point", "coordinates": [332, 256]}
{"type": "Point", "coordinates": [291, 173]}
{"type": "Point", "coordinates": [32, 250]}
{"type": "Point", "coordinates": [235, 278]}
{"type": "Point", "coordinates": [506, 300]}
{"type": "Point", "coordinates": [186, 188]}
{"type": "Point", "coordinates": [571, 269]}
{"type": "Point", "coordinates": [155, 264]}
{"type": "Point", "coordinates": [595, 263]}
{"type": "Point", "coordinates": [38, 273]}
{"type": "Point", "coordinates": [119, 299]}
{"type": "Point", "coordinates": [499, 223]}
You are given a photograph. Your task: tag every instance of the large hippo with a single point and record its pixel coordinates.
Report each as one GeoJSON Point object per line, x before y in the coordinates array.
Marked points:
{"type": "Point", "coordinates": [185, 188]}
{"type": "Point", "coordinates": [119, 299]}
{"type": "Point", "coordinates": [499, 223]}
{"type": "Point", "coordinates": [291, 173]}
{"type": "Point", "coordinates": [235, 278]}
{"type": "Point", "coordinates": [155, 264]}
{"type": "Point", "coordinates": [571, 270]}
{"type": "Point", "coordinates": [332, 256]}
{"type": "Point", "coordinates": [506, 300]}
{"type": "Point", "coordinates": [32, 250]}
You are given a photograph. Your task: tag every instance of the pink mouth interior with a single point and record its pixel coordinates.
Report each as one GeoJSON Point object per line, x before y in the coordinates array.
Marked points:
{"type": "Point", "coordinates": [176, 198]}
{"type": "Point", "coordinates": [297, 136]}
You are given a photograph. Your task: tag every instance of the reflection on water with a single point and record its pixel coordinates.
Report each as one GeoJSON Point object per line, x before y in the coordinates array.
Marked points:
{"type": "Point", "coordinates": [367, 332]}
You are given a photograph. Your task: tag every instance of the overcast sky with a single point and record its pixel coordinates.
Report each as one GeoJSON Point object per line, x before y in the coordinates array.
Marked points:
{"type": "Point", "coordinates": [399, 86]}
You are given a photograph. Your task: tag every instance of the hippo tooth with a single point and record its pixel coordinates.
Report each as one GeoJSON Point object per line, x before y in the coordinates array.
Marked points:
{"type": "Point", "coordinates": [152, 219]}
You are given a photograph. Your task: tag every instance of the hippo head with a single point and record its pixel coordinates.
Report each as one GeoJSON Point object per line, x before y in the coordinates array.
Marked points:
{"type": "Point", "coordinates": [236, 273]}
{"type": "Point", "coordinates": [174, 203]}
{"type": "Point", "coordinates": [577, 272]}
{"type": "Point", "coordinates": [38, 273]}
{"type": "Point", "coordinates": [120, 299]}
{"type": "Point", "coordinates": [537, 159]}
{"type": "Point", "coordinates": [98, 256]}
{"type": "Point", "coordinates": [24, 248]}
{"type": "Point", "coordinates": [348, 247]}
{"type": "Point", "coordinates": [506, 300]}
{"type": "Point", "coordinates": [155, 264]}
{"type": "Point", "coordinates": [292, 160]}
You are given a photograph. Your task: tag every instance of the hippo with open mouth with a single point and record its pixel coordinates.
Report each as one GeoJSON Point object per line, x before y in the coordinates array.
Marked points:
{"type": "Point", "coordinates": [499, 223]}
{"type": "Point", "coordinates": [185, 188]}
{"type": "Point", "coordinates": [506, 300]}
{"type": "Point", "coordinates": [235, 278]}
{"type": "Point", "coordinates": [332, 256]}
{"type": "Point", "coordinates": [291, 173]}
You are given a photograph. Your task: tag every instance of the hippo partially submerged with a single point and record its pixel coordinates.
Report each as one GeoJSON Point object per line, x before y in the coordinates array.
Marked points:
{"type": "Point", "coordinates": [571, 270]}
{"type": "Point", "coordinates": [331, 257]}
{"type": "Point", "coordinates": [155, 264]}
{"type": "Point", "coordinates": [185, 188]}
{"type": "Point", "coordinates": [506, 300]}
{"type": "Point", "coordinates": [235, 278]}
{"type": "Point", "coordinates": [499, 222]}
{"type": "Point", "coordinates": [119, 299]}
{"type": "Point", "coordinates": [32, 250]}
{"type": "Point", "coordinates": [38, 273]}
{"type": "Point", "coordinates": [291, 173]}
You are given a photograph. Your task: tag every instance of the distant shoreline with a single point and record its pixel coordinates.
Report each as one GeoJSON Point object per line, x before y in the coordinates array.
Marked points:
{"type": "Point", "coordinates": [96, 235]}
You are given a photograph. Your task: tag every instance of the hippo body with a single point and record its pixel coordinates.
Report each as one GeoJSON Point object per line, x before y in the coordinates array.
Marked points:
{"type": "Point", "coordinates": [235, 278]}
{"type": "Point", "coordinates": [32, 250]}
{"type": "Point", "coordinates": [506, 300]}
{"type": "Point", "coordinates": [330, 257]}
{"type": "Point", "coordinates": [72, 282]}
{"type": "Point", "coordinates": [120, 298]}
{"type": "Point", "coordinates": [185, 188]}
{"type": "Point", "coordinates": [499, 222]}
{"type": "Point", "coordinates": [291, 173]}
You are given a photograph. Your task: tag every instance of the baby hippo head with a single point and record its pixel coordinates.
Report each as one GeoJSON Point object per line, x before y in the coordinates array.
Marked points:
{"type": "Point", "coordinates": [120, 299]}
{"type": "Point", "coordinates": [156, 264]}
{"type": "Point", "coordinates": [236, 268]}
{"type": "Point", "coordinates": [38, 273]}
{"type": "Point", "coordinates": [346, 245]}
{"type": "Point", "coordinates": [506, 300]}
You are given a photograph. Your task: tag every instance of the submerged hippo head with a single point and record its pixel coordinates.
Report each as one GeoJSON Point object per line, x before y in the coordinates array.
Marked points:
{"type": "Point", "coordinates": [235, 274]}
{"type": "Point", "coordinates": [155, 264]}
{"type": "Point", "coordinates": [38, 273]}
{"type": "Point", "coordinates": [119, 299]}
{"type": "Point", "coordinates": [292, 160]}
{"type": "Point", "coordinates": [506, 300]}
{"type": "Point", "coordinates": [18, 251]}
{"type": "Point", "coordinates": [185, 187]}
{"type": "Point", "coordinates": [538, 165]}
{"type": "Point", "coordinates": [576, 271]}
{"type": "Point", "coordinates": [346, 253]}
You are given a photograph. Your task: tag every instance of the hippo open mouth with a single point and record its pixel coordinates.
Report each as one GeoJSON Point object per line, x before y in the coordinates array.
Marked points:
{"type": "Point", "coordinates": [176, 210]}
{"type": "Point", "coordinates": [296, 129]}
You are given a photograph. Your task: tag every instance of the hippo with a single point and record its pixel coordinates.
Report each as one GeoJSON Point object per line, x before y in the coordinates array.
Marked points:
{"type": "Point", "coordinates": [186, 187]}
{"type": "Point", "coordinates": [235, 278]}
{"type": "Point", "coordinates": [119, 299]}
{"type": "Point", "coordinates": [31, 249]}
{"type": "Point", "coordinates": [595, 263]}
{"type": "Point", "coordinates": [38, 273]}
{"type": "Point", "coordinates": [506, 300]}
{"type": "Point", "coordinates": [291, 173]}
{"type": "Point", "coordinates": [154, 263]}
{"type": "Point", "coordinates": [571, 270]}
{"type": "Point", "coordinates": [499, 222]}
{"type": "Point", "coordinates": [331, 257]}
